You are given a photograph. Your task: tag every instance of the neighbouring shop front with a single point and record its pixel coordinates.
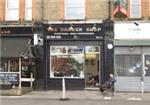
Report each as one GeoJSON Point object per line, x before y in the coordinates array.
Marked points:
{"type": "Point", "coordinates": [132, 56]}
{"type": "Point", "coordinates": [16, 56]}
{"type": "Point", "coordinates": [74, 51]}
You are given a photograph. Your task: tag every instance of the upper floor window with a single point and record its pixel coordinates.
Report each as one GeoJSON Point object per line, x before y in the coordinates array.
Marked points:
{"type": "Point", "coordinates": [74, 9]}
{"type": "Point", "coordinates": [12, 10]}
{"type": "Point", "coordinates": [135, 9]}
{"type": "Point", "coordinates": [28, 9]}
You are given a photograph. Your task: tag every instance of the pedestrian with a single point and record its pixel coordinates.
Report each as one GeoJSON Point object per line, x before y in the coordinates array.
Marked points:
{"type": "Point", "coordinates": [108, 83]}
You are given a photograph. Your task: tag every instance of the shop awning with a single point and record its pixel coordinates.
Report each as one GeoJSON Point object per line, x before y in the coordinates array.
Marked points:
{"type": "Point", "coordinates": [15, 47]}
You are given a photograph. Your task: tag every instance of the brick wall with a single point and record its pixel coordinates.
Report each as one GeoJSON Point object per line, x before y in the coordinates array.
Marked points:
{"type": "Point", "coordinates": [52, 10]}
{"type": "Point", "coordinates": [145, 8]}
{"type": "Point", "coordinates": [95, 9]}
{"type": "Point", "coordinates": [2, 10]}
{"type": "Point", "coordinates": [98, 9]}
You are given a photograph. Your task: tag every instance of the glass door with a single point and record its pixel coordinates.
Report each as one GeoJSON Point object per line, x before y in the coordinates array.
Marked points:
{"type": "Point", "coordinates": [92, 66]}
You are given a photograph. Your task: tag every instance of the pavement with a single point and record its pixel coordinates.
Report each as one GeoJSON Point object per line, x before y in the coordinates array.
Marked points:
{"type": "Point", "coordinates": [83, 95]}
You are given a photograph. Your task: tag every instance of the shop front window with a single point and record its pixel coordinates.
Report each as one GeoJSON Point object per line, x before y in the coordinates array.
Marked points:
{"type": "Point", "coordinates": [14, 65]}
{"type": "Point", "coordinates": [27, 67]}
{"type": "Point", "coordinates": [128, 65]}
{"type": "Point", "coordinates": [3, 66]}
{"type": "Point", "coordinates": [66, 61]}
{"type": "Point", "coordinates": [9, 72]}
{"type": "Point", "coordinates": [9, 65]}
{"type": "Point", "coordinates": [70, 61]}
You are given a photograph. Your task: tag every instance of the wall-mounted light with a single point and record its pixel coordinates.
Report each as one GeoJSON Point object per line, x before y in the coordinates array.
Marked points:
{"type": "Point", "coordinates": [109, 46]}
{"type": "Point", "coordinates": [50, 29]}
{"type": "Point", "coordinates": [94, 29]}
{"type": "Point", "coordinates": [71, 28]}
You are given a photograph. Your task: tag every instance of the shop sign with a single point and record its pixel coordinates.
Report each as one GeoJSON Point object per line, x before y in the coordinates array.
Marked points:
{"type": "Point", "coordinates": [15, 30]}
{"type": "Point", "coordinates": [9, 78]}
{"type": "Point", "coordinates": [132, 30]}
{"type": "Point", "coordinates": [74, 28]}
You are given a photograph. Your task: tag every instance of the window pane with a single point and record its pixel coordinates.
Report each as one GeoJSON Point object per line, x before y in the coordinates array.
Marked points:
{"type": "Point", "coordinates": [28, 3]}
{"type": "Point", "coordinates": [13, 14]}
{"type": "Point", "coordinates": [75, 13]}
{"type": "Point", "coordinates": [75, 3]}
{"type": "Point", "coordinates": [12, 10]}
{"type": "Point", "coordinates": [135, 1]}
{"type": "Point", "coordinates": [14, 65]}
{"type": "Point", "coordinates": [92, 49]}
{"type": "Point", "coordinates": [12, 3]}
{"type": "Point", "coordinates": [28, 10]}
{"type": "Point", "coordinates": [3, 65]}
{"type": "Point", "coordinates": [75, 9]}
{"type": "Point", "coordinates": [128, 65]}
{"type": "Point", "coordinates": [135, 11]}
{"type": "Point", "coordinates": [28, 14]}
{"type": "Point", "coordinates": [66, 61]}
{"type": "Point", "coordinates": [58, 50]}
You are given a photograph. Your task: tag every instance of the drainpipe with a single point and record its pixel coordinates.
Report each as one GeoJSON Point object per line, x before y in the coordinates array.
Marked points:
{"type": "Point", "coordinates": [42, 10]}
{"type": "Point", "coordinates": [109, 9]}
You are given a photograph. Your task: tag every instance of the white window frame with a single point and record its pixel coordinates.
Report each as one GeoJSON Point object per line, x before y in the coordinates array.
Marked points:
{"type": "Point", "coordinates": [15, 17]}
{"type": "Point", "coordinates": [28, 9]}
{"type": "Point", "coordinates": [136, 2]}
{"type": "Point", "coordinates": [75, 6]}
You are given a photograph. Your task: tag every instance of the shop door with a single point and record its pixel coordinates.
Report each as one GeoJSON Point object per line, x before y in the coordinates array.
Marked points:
{"type": "Point", "coordinates": [92, 66]}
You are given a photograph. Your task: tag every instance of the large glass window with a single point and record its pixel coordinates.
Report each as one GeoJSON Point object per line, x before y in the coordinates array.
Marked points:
{"type": "Point", "coordinates": [12, 10]}
{"type": "Point", "coordinates": [66, 61]}
{"type": "Point", "coordinates": [74, 9]}
{"type": "Point", "coordinates": [128, 65]}
{"type": "Point", "coordinates": [70, 61]}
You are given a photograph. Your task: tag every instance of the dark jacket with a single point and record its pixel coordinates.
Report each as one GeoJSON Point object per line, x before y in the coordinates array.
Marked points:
{"type": "Point", "coordinates": [110, 81]}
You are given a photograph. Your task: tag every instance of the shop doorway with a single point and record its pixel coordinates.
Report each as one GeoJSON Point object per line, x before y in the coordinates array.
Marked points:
{"type": "Point", "coordinates": [92, 66]}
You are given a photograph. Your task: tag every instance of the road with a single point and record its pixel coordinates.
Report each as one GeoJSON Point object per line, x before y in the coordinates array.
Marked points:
{"type": "Point", "coordinates": [42, 101]}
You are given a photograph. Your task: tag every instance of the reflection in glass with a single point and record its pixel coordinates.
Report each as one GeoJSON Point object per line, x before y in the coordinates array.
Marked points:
{"type": "Point", "coordinates": [128, 65]}
{"type": "Point", "coordinates": [70, 64]}
{"type": "Point", "coordinates": [147, 65]}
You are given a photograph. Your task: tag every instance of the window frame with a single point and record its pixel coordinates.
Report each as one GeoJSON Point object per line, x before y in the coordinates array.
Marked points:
{"type": "Point", "coordinates": [131, 8]}
{"type": "Point", "coordinates": [15, 18]}
{"type": "Point", "coordinates": [74, 17]}
{"type": "Point", "coordinates": [27, 8]}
